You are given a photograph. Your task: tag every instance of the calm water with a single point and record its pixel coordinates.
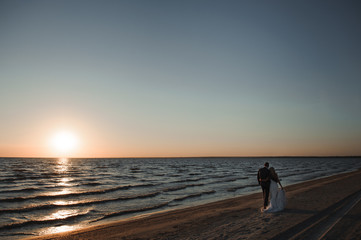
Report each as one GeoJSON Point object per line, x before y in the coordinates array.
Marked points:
{"type": "Point", "coordinates": [41, 196]}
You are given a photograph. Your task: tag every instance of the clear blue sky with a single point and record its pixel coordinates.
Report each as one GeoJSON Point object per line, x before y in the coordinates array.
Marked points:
{"type": "Point", "coordinates": [181, 78]}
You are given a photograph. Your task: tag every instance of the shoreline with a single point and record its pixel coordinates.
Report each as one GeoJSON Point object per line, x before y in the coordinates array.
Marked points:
{"type": "Point", "coordinates": [310, 205]}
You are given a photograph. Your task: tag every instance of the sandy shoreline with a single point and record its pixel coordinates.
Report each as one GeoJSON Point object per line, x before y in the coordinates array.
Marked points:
{"type": "Point", "coordinates": [317, 208]}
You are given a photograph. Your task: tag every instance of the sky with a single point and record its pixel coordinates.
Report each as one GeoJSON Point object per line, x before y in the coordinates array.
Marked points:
{"type": "Point", "coordinates": [183, 78]}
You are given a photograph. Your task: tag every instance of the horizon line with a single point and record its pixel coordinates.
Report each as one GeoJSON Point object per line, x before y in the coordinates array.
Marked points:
{"type": "Point", "coordinates": [164, 157]}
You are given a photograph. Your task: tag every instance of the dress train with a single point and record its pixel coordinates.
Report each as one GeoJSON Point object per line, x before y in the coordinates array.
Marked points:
{"type": "Point", "coordinates": [278, 198]}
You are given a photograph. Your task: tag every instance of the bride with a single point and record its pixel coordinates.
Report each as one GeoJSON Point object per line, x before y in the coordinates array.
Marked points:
{"type": "Point", "coordinates": [278, 196]}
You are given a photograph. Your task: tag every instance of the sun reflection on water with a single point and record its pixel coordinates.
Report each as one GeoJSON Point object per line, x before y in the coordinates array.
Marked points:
{"type": "Point", "coordinates": [63, 164]}
{"type": "Point", "coordinates": [62, 214]}
{"type": "Point", "coordinates": [60, 229]}
{"type": "Point", "coordinates": [61, 170]}
{"type": "Point", "coordinates": [62, 192]}
{"type": "Point", "coordinates": [64, 203]}
{"type": "Point", "coordinates": [65, 182]}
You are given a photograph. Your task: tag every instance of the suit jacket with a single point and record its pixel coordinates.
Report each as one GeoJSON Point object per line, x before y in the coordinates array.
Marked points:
{"type": "Point", "coordinates": [264, 175]}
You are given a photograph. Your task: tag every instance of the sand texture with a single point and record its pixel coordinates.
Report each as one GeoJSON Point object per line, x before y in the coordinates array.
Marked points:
{"type": "Point", "coordinates": [327, 208]}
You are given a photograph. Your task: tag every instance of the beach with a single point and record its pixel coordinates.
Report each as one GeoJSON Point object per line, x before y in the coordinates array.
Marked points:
{"type": "Point", "coordinates": [323, 208]}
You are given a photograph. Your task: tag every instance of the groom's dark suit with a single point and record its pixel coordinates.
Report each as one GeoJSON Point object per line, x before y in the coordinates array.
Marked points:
{"type": "Point", "coordinates": [263, 178]}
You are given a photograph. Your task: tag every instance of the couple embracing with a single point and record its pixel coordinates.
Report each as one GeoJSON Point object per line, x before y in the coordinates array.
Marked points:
{"type": "Point", "coordinates": [268, 179]}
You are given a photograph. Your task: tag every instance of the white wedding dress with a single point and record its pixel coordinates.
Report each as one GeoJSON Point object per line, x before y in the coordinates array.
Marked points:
{"type": "Point", "coordinates": [278, 198]}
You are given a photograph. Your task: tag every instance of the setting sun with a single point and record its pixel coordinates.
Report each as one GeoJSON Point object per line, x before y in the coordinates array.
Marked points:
{"type": "Point", "coordinates": [64, 142]}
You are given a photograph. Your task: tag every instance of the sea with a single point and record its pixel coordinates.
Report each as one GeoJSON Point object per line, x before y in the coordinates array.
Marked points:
{"type": "Point", "coordinates": [41, 196]}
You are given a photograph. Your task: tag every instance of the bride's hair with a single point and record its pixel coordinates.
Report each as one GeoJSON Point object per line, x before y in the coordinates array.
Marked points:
{"type": "Point", "coordinates": [274, 175]}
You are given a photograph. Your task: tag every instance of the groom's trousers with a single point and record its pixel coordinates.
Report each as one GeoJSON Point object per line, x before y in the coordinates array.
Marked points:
{"type": "Point", "coordinates": [265, 189]}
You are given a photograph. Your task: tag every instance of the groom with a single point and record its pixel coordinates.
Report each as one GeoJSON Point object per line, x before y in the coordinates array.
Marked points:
{"type": "Point", "coordinates": [263, 178]}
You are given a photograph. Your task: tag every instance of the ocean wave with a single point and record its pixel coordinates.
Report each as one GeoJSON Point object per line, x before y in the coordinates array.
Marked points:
{"type": "Point", "coordinates": [194, 195]}
{"type": "Point", "coordinates": [291, 174]}
{"type": "Point", "coordinates": [137, 210]}
{"type": "Point", "coordinates": [234, 189]}
{"type": "Point", "coordinates": [27, 176]}
{"type": "Point", "coordinates": [74, 194]}
{"type": "Point", "coordinates": [229, 180]}
{"type": "Point", "coordinates": [176, 188]}
{"type": "Point", "coordinates": [76, 204]}
{"type": "Point", "coordinates": [218, 176]}
{"type": "Point", "coordinates": [190, 180]}
{"type": "Point", "coordinates": [92, 184]}
{"type": "Point", "coordinates": [25, 190]}
{"type": "Point", "coordinates": [43, 222]}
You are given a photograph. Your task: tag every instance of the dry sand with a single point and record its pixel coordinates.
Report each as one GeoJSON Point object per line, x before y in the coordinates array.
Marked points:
{"type": "Point", "coordinates": [327, 208]}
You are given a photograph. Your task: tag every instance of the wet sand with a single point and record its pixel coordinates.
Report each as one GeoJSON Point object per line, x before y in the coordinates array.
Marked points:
{"type": "Point", "coordinates": [323, 208]}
